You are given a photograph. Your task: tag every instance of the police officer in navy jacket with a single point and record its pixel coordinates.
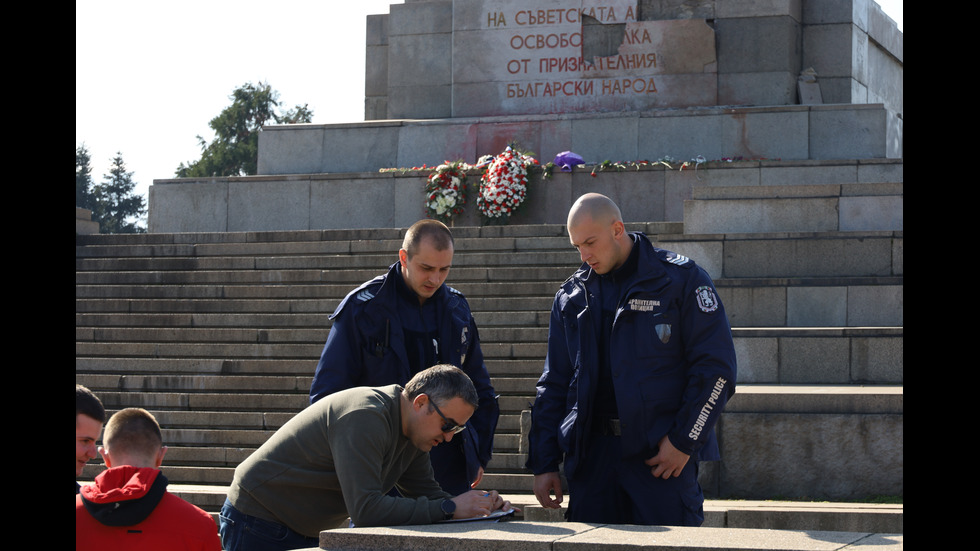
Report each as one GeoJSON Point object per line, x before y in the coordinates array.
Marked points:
{"type": "Point", "coordinates": [640, 365]}
{"type": "Point", "coordinates": [407, 320]}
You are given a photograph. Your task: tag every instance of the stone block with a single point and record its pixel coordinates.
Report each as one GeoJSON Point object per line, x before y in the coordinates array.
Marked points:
{"type": "Point", "coordinates": [657, 9]}
{"type": "Point", "coordinates": [682, 138]}
{"type": "Point", "coordinates": [419, 60]}
{"type": "Point", "coordinates": [810, 174]}
{"type": "Point", "coordinates": [754, 306]}
{"type": "Point", "coordinates": [814, 360]}
{"type": "Point", "coordinates": [360, 148]}
{"type": "Point", "coordinates": [640, 195]}
{"type": "Point", "coordinates": [771, 133]}
{"type": "Point", "coordinates": [338, 203]}
{"type": "Point", "coordinates": [573, 536]}
{"type": "Point", "coordinates": [608, 138]}
{"type": "Point", "coordinates": [829, 50]}
{"type": "Point", "coordinates": [292, 149]}
{"type": "Point", "coordinates": [376, 30]}
{"type": "Point", "coordinates": [193, 206]}
{"type": "Point", "coordinates": [880, 171]}
{"type": "Point", "coordinates": [508, 59]}
{"type": "Point", "coordinates": [760, 215]}
{"type": "Point", "coordinates": [898, 256]}
{"type": "Point", "coordinates": [419, 145]}
{"type": "Point", "coordinates": [759, 8]}
{"type": "Point", "coordinates": [376, 108]}
{"type": "Point", "coordinates": [758, 359]}
{"type": "Point", "coordinates": [876, 305]}
{"type": "Point", "coordinates": [837, 11]}
{"type": "Point", "coordinates": [759, 45]}
{"type": "Point", "coordinates": [762, 88]}
{"type": "Point", "coordinates": [816, 306]}
{"type": "Point", "coordinates": [420, 102]}
{"type": "Point", "coordinates": [849, 132]}
{"type": "Point", "coordinates": [812, 456]}
{"type": "Point", "coordinates": [420, 18]}
{"type": "Point", "coordinates": [547, 201]}
{"type": "Point", "coordinates": [872, 213]}
{"type": "Point", "coordinates": [376, 71]}
{"type": "Point", "coordinates": [408, 201]}
{"type": "Point", "coordinates": [878, 360]}
{"type": "Point", "coordinates": [782, 256]}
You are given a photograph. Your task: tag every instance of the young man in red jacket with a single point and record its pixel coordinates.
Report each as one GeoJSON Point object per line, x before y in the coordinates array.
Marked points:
{"type": "Point", "coordinates": [128, 506]}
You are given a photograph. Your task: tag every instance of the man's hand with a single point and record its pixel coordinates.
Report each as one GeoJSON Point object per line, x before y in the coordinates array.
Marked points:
{"type": "Point", "coordinates": [668, 462]}
{"type": "Point", "coordinates": [476, 503]}
{"type": "Point", "coordinates": [544, 484]}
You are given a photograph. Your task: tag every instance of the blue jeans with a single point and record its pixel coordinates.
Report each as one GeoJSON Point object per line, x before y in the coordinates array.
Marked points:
{"type": "Point", "coordinates": [241, 532]}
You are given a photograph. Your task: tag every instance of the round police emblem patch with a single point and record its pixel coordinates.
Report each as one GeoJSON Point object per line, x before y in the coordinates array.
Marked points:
{"type": "Point", "coordinates": [707, 301]}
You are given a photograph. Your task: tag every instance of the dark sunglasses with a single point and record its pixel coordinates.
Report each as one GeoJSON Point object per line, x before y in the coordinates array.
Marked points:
{"type": "Point", "coordinates": [448, 426]}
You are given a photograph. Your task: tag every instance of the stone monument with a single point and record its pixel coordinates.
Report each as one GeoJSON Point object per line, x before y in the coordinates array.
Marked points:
{"type": "Point", "coordinates": [619, 80]}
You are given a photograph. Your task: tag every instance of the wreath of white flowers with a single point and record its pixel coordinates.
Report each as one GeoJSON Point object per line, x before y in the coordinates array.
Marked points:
{"type": "Point", "coordinates": [503, 185]}
{"type": "Point", "coordinates": [445, 191]}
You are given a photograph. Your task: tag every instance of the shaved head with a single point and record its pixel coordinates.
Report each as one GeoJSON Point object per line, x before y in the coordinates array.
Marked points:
{"type": "Point", "coordinates": [595, 207]}
{"type": "Point", "coordinates": [595, 227]}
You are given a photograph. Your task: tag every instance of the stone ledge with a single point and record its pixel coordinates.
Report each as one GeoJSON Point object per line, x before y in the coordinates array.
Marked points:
{"type": "Point", "coordinates": [527, 536]}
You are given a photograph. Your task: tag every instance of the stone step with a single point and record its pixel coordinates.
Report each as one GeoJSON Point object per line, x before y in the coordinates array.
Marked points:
{"type": "Point", "coordinates": [766, 355]}
{"type": "Point", "coordinates": [795, 208]}
{"type": "Point", "coordinates": [355, 240]}
{"type": "Point", "coordinates": [771, 254]}
{"type": "Point", "coordinates": [719, 513]}
{"type": "Point", "coordinates": [830, 439]}
{"type": "Point", "coordinates": [545, 536]}
{"type": "Point", "coordinates": [773, 302]}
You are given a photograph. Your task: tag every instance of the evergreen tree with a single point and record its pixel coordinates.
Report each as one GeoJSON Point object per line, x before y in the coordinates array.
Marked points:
{"type": "Point", "coordinates": [84, 197]}
{"type": "Point", "coordinates": [117, 208]}
{"type": "Point", "coordinates": [235, 149]}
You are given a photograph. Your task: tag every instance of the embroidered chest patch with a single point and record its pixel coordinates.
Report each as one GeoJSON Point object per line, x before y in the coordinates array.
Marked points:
{"type": "Point", "coordinates": [707, 300]}
{"type": "Point", "coordinates": [643, 305]}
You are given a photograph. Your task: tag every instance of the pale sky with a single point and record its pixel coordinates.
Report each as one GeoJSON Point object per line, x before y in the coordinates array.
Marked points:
{"type": "Point", "coordinates": [149, 76]}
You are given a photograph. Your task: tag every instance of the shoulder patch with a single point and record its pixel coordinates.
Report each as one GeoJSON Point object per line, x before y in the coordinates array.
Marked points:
{"type": "Point", "coordinates": [670, 257]}
{"type": "Point", "coordinates": [707, 299]}
{"type": "Point", "coordinates": [453, 291]}
{"type": "Point", "coordinates": [677, 259]}
{"type": "Point", "coordinates": [364, 296]}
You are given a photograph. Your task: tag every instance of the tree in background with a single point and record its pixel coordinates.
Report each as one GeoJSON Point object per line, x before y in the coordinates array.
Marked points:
{"type": "Point", "coordinates": [84, 197]}
{"type": "Point", "coordinates": [113, 204]}
{"type": "Point", "coordinates": [118, 209]}
{"type": "Point", "coordinates": [235, 149]}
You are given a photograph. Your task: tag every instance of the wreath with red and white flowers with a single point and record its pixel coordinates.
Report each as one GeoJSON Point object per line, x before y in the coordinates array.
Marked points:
{"type": "Point", "coordinates": [445, 191]}
{"type": "Point", "coordinates": [503, 185]}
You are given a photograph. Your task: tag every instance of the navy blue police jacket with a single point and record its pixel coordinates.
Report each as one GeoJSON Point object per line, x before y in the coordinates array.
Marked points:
{"type": "Point", "coordinates": [672, 358]}
{"type": "Point", "coordinates": [366, 347]}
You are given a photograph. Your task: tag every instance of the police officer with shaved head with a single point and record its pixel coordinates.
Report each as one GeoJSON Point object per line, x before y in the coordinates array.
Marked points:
{"type": "Point", "coordinates": [640, 365]}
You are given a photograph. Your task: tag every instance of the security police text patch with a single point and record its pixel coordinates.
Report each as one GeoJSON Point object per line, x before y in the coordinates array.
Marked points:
{"type": "Point", "coordinates": [707, 301]}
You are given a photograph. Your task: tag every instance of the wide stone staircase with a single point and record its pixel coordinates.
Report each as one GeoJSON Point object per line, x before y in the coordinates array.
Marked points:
{"type": "Point", "coordinates": [218, 334]}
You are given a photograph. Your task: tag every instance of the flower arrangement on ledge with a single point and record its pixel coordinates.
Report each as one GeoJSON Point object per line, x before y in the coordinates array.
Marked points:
{"type": "Point", "coordinates": [445, 191]}
{"type": "Point", "coordinates": [504, 178]}
{"type": "Point", "coordinates": [503, 185]}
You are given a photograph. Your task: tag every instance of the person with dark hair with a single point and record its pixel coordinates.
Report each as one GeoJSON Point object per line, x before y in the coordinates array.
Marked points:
{"type": "Point", "coordinates": [89, 417]}
{"type": "Point", "coordinates": [128, 506]}
{"type": "Point", "coordinates": [640, 365]}
{"type": "Point", "coordinates": [402, 322]}
{"type": "Point", "coordinates": [338, 459]}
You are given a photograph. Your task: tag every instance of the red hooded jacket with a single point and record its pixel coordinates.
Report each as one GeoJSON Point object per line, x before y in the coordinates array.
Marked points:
{"type": "Point", "coordinates": [129, 508]}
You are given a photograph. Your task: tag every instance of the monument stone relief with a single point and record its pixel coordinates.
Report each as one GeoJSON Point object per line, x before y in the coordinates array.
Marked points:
{"type": "Point", "coordinates": [563, 56]}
